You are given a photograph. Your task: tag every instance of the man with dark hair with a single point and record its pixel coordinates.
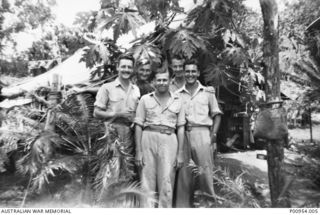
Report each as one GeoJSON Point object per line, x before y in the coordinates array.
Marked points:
{"type": "Point", "coordinates": [116, 104]}
{"type": "Point", "coordinates": [159, 148]}
{"type": "Point", "coordinates": [203, 121]}
{"type": "Point", "coordinates": [143, 76]}
{"type": "Point", "coordinates": [177, 68]}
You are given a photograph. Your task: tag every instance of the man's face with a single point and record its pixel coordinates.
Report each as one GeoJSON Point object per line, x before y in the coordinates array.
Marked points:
{"type": "Point", "coordinates": [144, 72]}
{"type": "Point", "coordinates": [177, 67]}
{"type": "Point", "coordinates": [125, 69]}
{"type": "Point", "coordinates": [161, 82]}
{"type": "Point", "coordinates": [191, 73]}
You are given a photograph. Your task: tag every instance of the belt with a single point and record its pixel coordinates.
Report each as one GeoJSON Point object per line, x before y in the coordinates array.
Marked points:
{"type": "Point", "coordinates": [161, 129]}
{"type": "Point", "coordinates": [189, 127]}
{"type": "Point", "coordinates": [122, 121]}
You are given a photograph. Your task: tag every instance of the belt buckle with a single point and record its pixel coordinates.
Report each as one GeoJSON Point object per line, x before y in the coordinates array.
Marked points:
{"type": "Point", "coordinates": [188, 127]}
{"type": "Point", "coordinates": [165, 131]}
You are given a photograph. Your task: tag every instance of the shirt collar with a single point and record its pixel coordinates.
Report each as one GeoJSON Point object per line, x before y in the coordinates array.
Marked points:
{"type": "Point", "coordinates": [200, 87]}
{"type": "Point", "coordinates": [174, 82]}
{"type": "Point", "coordinates": [118, 83]}
{"type": "Point", "coordinates": [172, 95]}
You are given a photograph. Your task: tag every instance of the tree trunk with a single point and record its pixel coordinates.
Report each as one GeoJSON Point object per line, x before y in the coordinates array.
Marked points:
{"type": "Point", "coordinates": [310, 122]}
{"type": "Point", "coordinates": [271, 73]}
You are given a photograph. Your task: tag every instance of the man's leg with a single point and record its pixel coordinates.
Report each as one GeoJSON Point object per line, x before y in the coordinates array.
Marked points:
{"type": "Point", "coordinates": [184, 186]}
{"type": "Point", "coordinates": [149, 171]}
{"type": "Point", "coordinates": [201, 153]}
{"type": "Point", "coordinates": [168, 147]}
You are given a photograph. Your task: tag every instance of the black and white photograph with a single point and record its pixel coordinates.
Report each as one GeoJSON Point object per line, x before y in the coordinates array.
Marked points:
{"type": "Point", "coordinates": [211, 104]}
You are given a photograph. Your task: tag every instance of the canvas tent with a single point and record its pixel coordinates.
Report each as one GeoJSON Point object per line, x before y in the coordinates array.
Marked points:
{"type": "Point", "coordinates": [70, 71]}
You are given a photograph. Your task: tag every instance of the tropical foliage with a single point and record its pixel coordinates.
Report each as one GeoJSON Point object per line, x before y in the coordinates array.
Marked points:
{"type": "Point", "coordinates": [74, 150]}
{"type": "Point", "coordinates": [223, 35]}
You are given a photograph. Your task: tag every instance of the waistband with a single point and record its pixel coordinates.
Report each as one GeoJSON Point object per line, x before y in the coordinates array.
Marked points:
{"type": "Point", "coordinates": [160, 128]}
{"type": "Point", "coordinates": [122, 121]}
{"type": "Point", "coordinates": [189, 127]}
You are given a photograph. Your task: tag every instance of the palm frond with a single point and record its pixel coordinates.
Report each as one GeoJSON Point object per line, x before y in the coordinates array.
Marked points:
{"type": "Point", "coordinates": [112, 164]}
{"type": "Point", "coordinates": [311, 69]}
{"type": "Point", "coordinates": [126, 195]}
{"type": "Point", "coordinates": [42, 149]}
{"type": "Point", "coordinates": [234, 190]}
{"type": "Point", "coordinates": [70, 164]}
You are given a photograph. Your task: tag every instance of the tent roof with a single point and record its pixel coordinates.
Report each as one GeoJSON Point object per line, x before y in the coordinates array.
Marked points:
{"type": "Point", "coordinates": [71, 71]}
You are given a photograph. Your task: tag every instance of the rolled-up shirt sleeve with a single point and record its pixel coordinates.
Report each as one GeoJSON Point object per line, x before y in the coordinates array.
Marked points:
{"type": "Point", "coordinates": [213, 105]}
{"type": "Point", "coordinates": [102, 98]}
{"type": "Point", "coordinates": [140, 113]}
{"type": "Point", "coordinates": [181, 121]}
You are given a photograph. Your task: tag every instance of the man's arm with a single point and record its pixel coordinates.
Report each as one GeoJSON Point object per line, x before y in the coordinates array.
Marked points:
{"type": "Point", "coordinates": [138, 134]}
{"type": "Point", "coordinates": [215, 127]}
{"type": "Point", "coordinates": [107, 115]}
{"type": "Point", "coordinates": [215, 113]}
{"type": "Point", "coordinates": [180, 136]}
{"type": "Point", "coordinates": [139, 121]}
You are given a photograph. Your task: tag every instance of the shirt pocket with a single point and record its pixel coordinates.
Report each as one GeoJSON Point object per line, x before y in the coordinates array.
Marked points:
{"type": "Point", "coordinates": [173, 111]}
{"type": "Point", "coordinates": [201, 105]}
{"type": "Point", "coordinates": [116, 102]}
{"type": "Point", "coordinates": [151, 111]}
{"type": "Point", "coordinates": [132, 101]}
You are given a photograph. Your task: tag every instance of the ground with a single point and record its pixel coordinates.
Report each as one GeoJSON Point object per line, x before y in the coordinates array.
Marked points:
{"type": "Point", "coordinates": [302, 162]}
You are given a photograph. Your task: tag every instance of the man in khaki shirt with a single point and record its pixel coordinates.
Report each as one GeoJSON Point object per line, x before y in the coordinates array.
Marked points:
{"type": "Point", "coordinates": [177, 67]}
{"type": "Point", "coordinates": [116, 103]}
{"type": "Point", "coordinates": [159, 149]}
{"type": "Point", "coordinates": [203, 120]}
{"type": "Point", "coordinates": [143, 77]}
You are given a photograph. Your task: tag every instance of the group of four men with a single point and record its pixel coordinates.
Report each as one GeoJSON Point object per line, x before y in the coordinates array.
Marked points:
{"type": "Point", "coordinates": [175, 120]}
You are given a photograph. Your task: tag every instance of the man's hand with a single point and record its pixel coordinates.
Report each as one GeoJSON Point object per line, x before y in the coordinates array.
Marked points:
{"type": "Point", "coordinates": [139, 160]}
{"type": "Point", "coordinates": [179, 162]}
{"type": "Point", "coordinates": [127, 115]}
{"type": "Point", "coordinates": [213, 138]}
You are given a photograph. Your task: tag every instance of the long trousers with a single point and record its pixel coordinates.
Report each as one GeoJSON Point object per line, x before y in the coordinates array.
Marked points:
{"type": "Point", "coordinates": [198, 148]}
{"type": "Point", "coordinates": [158, 174]}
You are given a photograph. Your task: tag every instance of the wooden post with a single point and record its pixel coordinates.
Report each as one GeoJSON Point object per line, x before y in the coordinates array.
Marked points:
{"type": "Point", "coordinates": [275, 150]}
{"type": "Point", "coordinates": [246, 131]}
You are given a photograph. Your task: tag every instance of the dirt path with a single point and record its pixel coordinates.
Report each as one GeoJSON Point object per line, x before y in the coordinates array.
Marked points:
{"type": "Point", "coordinates": [304, 133]}
{"type": "Point", "coordinates": [302, 161]}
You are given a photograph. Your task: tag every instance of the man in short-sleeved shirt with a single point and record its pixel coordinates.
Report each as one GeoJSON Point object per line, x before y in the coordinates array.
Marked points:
{"type": "Point", "coordinates": [177, 68]}
{"type": "Point", "coordinates": [116, 104]}
{"type": "Point", "coordinates": [203, 120]}
{"type": "Point", "coordinates": [159, 149]}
